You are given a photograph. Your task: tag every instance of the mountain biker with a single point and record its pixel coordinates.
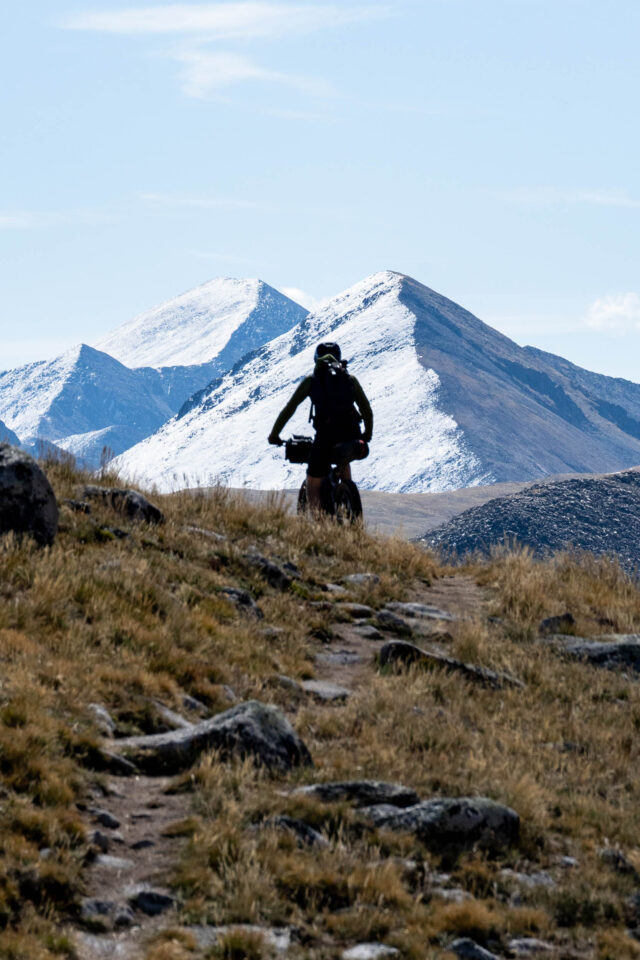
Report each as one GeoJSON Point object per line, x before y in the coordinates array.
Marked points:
{"type": "Point", "coordinates": [339, 404]}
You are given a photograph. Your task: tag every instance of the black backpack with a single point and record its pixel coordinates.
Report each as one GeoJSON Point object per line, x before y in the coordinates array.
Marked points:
{"type": "Point", "coordinates": [332, 400]}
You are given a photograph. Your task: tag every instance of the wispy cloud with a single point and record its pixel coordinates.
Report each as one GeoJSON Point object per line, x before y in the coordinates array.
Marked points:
{"type": "Point", "coordinates": [562, 196]}
{"type": "Point", "coordinates": [206, 72]}
{"type": "Point", "coordinates": [302, 297]}
{"type": "Point", "coordinates": [616, 313]}
{"type": "Point", "coordinates": [195, 201]}
{"type": "Point", "coordinates": [42, 219]}
{"type": "Point", "coordinates": [224, 21]}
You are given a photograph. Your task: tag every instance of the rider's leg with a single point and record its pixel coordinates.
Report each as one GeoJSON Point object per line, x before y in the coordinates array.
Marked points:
{"type": "Point", "coordinates": [314, 499]}
{"type": "Point", "coordinates": [345, 471]}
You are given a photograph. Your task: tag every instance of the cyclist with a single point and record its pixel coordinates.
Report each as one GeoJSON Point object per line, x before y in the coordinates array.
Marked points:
{"type": "Point", "coordinates": [339, 404]}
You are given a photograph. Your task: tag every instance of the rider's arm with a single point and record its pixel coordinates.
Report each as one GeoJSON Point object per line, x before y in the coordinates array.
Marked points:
{"type": "Point", "coordinates": [301, 393]}
{"type": "Point", "coordinates": [364, 407]}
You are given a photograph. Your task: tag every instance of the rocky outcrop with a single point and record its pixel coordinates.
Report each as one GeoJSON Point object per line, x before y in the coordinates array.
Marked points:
{"type": "Point", "coordinates": [611, 652]}
{"type": "Point", "coordinates": [597, 514]}
{"type": "Point", "coordinates": [250, 729]}
{"type": "Point", "coordinates": [27, 501]}
{"type": "Point", "coordinates": [128, 502]}
{"type": "Point", "coordinates": [451, 823]}
{"type": "Point", "coordinates": [401, 653]}
{"type": "Point", "coordinates": [362, 793]}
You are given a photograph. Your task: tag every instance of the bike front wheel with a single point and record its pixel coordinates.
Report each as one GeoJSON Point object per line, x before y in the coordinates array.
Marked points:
{"type": "Point", "coordinates": [303, 502]}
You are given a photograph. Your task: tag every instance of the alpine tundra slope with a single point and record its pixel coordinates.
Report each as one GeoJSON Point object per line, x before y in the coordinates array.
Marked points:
{"type": "Point", "coordinates": [456, 403]}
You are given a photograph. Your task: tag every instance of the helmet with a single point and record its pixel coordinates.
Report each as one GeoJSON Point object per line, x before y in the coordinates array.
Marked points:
{"type": "Point", "coordinates": [327, 349]}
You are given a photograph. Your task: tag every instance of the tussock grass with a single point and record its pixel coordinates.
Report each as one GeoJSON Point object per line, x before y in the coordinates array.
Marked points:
{"type": "Point", "coordinates": [124, 621]}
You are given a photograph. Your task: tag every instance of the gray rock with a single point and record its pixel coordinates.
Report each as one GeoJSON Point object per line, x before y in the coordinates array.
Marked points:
{"type": "Point", "coordinates": [451, 894]}
{"type": "Point", "coordinates": [451, 823]}
{"type": "Point", "coordinates": [150, 901]}
{"type": "Point", "coordinates": [281, 681]}
{"type": "Point", "coordinates": [100, 840]}
{"type": "Point", "coordinates": [355, 610]}
{"type": "Point", "coordinates": [563, 623]}
{"type": "Point", "coordinates": [325, 692]}
{"type": "Point", "coordinates": [611, 652]}
{"type": "Point", "coordinates": [128, 502]}
{"type": "Point", "coordinates": [307, 836]}
{"type": "Point", "coordinates": [632, 909]}
{"type": "Point", "coordinates": [335, 588]}
{"type": "Point", "coordinates": [172, 719]}
{"type": "Point", "coordinates": [270, 571]}
{"type": "Point", "coordinates": [340, 657]}
{"type": "Point", "coordinates": [399, 652]}
{"type": "Point", "coordinates": [387, 620]}
{"type": "Point", "coordinates": [142, 844]}
{"type": "Point", "coordinates": [250, 729]}
{"type": "Point", "coordinates": [104, 721]}
{"type": "Point", "coordinates": [242, 601]}
{"type": "Point", "coordinates": [362, 793]}
{"type": "Point", "coordinates": [529, 947]}
{"type": "Point", "coordinates": [569, 863]}
{"type": "Point", "coordinates": [123, 917]}
{"type": "Point", "coordinates": [112, 763]}
{"type": "Point", "coordinates": [208, 534]}
{"type": "Point", "coordinates": [104, 818]}
{"type": "Point", "coordinates": [618, 861]}
{"type": "Point", "coordinates": [97, 914]}
{"type": "Point", "coordinates": [114, 863]}
{"type": "Point", "coordinates": [369, 951]}
{"type": "Point", "coordinates": [361, 579]}
{"type": "Point", "coordinates": [530, 880]}
{"type": "Point", "coordinates": [368, 632]}
{"type": "Point", "coordinates": [190, 703]}
{"type": "Point", "coordinates": [279, 938]}
{"type": "Point", "coordinates": [27, 501]}
{"type": "Point", "coordinates": [78, 506]}
{"type": "Point", "coordinates": [420, 611]}
{"type": "Point", "coordinates": [468, 949]}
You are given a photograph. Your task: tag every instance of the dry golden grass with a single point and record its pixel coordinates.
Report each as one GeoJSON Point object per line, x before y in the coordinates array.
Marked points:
{"type": "Point", "coordinates": [124, 621]}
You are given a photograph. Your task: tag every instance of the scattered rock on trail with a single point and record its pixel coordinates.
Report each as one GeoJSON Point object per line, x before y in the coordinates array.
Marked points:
{"type": "Point", "coordinates": [129, 502]}
{"type": "Point", "coordinates": [356, 610]}
{"type": "Point", "coordinates": [419, 611]}
{"type": "Point", "coordinates": [563, 623]}
{"type": "Point", "coordinates": [370, 951]}
{"type": "Point", "coordinates": [325, 692]}
{"type": "Point", "coordinates": [611, 652]}
{"type": "Point", "coordinates": [27, 501]}
{"type": "Point", "coordinates": [467, 949]}
{"type": "Point", "coordinates": [451, 823]}
{"type": "Point", "coordinates": [399, 652]}
{"type": "Point", "coordinates": [250, 729]}
{"type": "Point", "coordinates": [104, 818]}
{"type": "Point", "coordinates": [362, 793]}
{"type": "Point", "coordinates": [242, 601]}
{"type": "Point", "coordinates": [104, 915]}
{"type": "Point", "coordinates": [150, 901]}
{"type": "Point", "coordinates": [361, 579]}
{"type": "Point", "coordinates": [387, 620]}
{"type": "Point", "coordinates": [368, 632]}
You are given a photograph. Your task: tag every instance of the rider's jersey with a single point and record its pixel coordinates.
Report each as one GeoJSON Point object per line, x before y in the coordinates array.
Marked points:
{"type": "Point", "coordinates": [303, 392]}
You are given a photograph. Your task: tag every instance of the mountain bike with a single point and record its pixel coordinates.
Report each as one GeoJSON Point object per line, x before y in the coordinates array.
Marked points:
{"type": "Point", "coordinates": [339, 497]}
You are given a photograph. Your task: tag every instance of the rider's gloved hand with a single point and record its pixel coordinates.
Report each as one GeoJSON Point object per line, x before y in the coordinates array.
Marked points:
{"type": "Point", "coordinates": [275, 440]}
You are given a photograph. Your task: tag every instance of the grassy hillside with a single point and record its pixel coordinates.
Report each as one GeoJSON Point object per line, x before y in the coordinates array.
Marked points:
{"type": "Point", "coordinates": [126, 621]}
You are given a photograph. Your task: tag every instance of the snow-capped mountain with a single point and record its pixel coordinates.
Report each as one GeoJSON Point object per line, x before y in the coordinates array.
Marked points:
{"type": "Point", "coordinates": [217, 323]}
{"type": "Point", "coordinates": [455, 403]}
{"type": "Point", "coordinates": [88, 400]}
{"type": "Point", "coordinates": [8, 436]}
{"type": "Point", "coordinates": [83, 401]}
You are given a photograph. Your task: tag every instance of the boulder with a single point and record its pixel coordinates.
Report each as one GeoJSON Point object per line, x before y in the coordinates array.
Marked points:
{"type": "Point", "coordinates": [274, 574]}
{"type": "Point", "coordinates": [362, 793]}
{"type": "Point", "coordinates": [150, 901]}
{"type": "Point", "coordinates": [451, 823]}
{"type": "Point", "coordinates": [250, 729]}
{"type": "Point", "coordinates": [563, 623]}
{"type": "Point", "coordinates": [399, 652]}
{"type": "Point", "coordinates": [128, 502]}
{"type": "Point", "coordinates": [305, 833]}
{"type": "Point", "coordinates": [420, 611]}
{"type": "Point", "coordinates": [387, 620]}
{"type": "Point", "coordinates": [467, 949]}
{"type": "Point", "coordinates": [242, 601]}
{"type": "Point", "coordinates": [325, 692]}
{"type": "Point", "coordinates": [27, 501]}
{"type": "Point", "coordinates": [368, 632]}
{"type": "Point", "coordinates": [611, 652]}
{"type": "Point", "coordinates": [359, 611]}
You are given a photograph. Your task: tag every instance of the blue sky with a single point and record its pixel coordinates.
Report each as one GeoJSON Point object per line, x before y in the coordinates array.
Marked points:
{"type": "Point", "coordinates": [489, 149]}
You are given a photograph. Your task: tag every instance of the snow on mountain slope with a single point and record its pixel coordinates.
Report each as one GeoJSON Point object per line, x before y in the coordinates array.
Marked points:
{"type": "Point", "coordinates": [84, 397]}
{"type": "Point", "coordinates": [218, 321]}
{"type": "Point", "coordinates": [222, 437]}
{"type": "Point", "coordinates": [8, 436]}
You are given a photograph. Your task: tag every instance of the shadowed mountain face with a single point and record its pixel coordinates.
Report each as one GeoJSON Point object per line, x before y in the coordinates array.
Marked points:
{"type": "Point", "coordinates": [524, 413]}
{"type": "Point", "coordinates": [8, 436]}
{"type": "Point", "coordinates": [455, 402]}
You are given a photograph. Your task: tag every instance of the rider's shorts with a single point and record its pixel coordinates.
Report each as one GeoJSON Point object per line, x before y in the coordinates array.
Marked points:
{"type": "Point", "coordinates": [320, 458]}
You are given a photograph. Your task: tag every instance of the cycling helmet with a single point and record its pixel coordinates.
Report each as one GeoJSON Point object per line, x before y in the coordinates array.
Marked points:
{"type": "Point", "coordinates": [327, 349]}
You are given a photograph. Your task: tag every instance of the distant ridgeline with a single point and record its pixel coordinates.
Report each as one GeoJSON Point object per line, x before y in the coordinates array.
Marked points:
{"type": "Point", "coordinates": [193, 387]}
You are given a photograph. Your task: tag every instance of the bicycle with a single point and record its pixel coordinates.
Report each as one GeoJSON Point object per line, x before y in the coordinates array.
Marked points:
{"type": "Point", "coordinates": [339, 497]}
